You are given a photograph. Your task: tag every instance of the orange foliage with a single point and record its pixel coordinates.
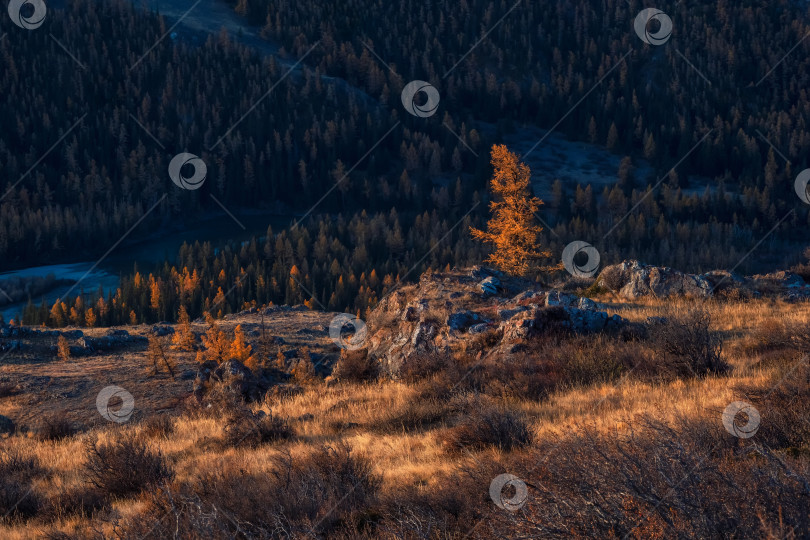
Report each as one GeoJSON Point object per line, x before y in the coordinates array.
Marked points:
{"type": "Point", "coordinates": [511, 228]}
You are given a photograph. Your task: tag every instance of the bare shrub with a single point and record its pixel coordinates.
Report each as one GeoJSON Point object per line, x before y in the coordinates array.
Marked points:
{"type": "Point", "coordinates": [656, 480]}
{"type": "Point", "coordinates": [158, 426]}
{"type": "Point", "coordinates": [784, 408]}
{"type": "Point", "coordinates": [355, 366]}
{"type": "Point", "coordinates": [482, 342]}
{"type": "Point", "coordinates": [324, 493]}
{"type": "Point", "coordinates": [690, 344]}
{"type": "Point", "coordinates": [56, 428]}
{"type": "Point", "coordinates": [124, 466]}
{"type": "Point", "coordinates": [247, 429]}
{"type": "Point", "coordinates": [486, 425]}
{"type": "Point", "coordinates": [422, 365]}
{"type": "Point", "coordinates": [17, 474]}
{"type": "Point", "coordinates": [428, 408]}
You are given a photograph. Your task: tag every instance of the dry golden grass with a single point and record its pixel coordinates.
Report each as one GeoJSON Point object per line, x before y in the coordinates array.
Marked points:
{"type": "Point", "coordinates": [361, 414]}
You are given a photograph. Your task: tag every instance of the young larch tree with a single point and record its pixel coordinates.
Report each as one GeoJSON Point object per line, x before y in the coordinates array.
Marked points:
{"type": "Point", "coordinates": [184, 338]}
{"type": "Point", "coordinates": [511, 228]}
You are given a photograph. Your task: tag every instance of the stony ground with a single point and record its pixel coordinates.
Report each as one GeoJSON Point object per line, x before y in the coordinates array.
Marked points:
{"type": "Point", "coordinates": [36, 384]}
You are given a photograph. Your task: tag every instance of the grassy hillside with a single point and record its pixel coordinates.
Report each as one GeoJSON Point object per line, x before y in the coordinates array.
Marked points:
{"type": "Point", "coordinates": [637, 451]}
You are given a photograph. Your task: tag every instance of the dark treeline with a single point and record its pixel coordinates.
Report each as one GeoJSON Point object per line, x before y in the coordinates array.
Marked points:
{"type": "Point", "coordinates": [103, 177]}
{"type": "Point", "coordinates": [542, 57]}
{"type": "Point", "coordinates": [311, 130]}
{"type": "Point", "coordinates": [335, 264]}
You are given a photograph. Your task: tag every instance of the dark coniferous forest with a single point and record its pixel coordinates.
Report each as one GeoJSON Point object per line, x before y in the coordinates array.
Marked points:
{"type": "Point", "coordinates": [383, 194]}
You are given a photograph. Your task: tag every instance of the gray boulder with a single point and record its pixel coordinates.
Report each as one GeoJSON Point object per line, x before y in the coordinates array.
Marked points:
{"type": "Point", "coordinates": [462, 320]}
{"type": "Point", "coordinates": [490, 285]}
{"type": "Point", "coordinates": [633, 279]}
{"type": "Point", "coordinates": [237, 376]}
{"type": "Point", "coordinates": [162, 330]}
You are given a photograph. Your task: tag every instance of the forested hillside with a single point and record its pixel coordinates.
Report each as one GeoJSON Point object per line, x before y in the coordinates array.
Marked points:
{"type": "Point", "coordinates": [98, 114]}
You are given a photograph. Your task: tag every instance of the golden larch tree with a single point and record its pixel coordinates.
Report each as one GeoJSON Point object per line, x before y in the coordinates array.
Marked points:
{"type": "Point", "coordinates": [511, 228]}
{"type": "Point", "coordinates": [184, 338]}
{"type": "Point", "coordinates": [241, 350]}
{"type": "Point", "coordinates": [214, 341]}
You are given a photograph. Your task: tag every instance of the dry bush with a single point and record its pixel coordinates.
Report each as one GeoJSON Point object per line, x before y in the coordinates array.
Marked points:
{"type": "Point", "coordinates": [219, 400]}
{"type": "Point", "coordinates": [689, 344]}
{"type": "Point", "coordinates": [423, 365]}
{"type": "Point", "coordinates": [549, 363]}
{"type": "Point", "coordinates": [247, 429]}
{"type": "Point", "coordinates": [429, 407]}
{"type": "Point", "coordinates": [784, 409]}
{"type": "Point", "coordinates": [17, 478]}
{"type": "Point", "coordinates": [686, 480]}
{"type": "Point", "coordinates": [56, 428]}
{"type": "Point", "coordinates": [355, 366]}
{"type": "Point", "coordinates": [770, 334]}
{"type": "Point", "coordinates": [484, 341]}
{"type": "Point", "coordinates": [447, 508]}
{"type": "Point", "coordinates": [485, 425]}
{"type": "Point", "coordinates": [325, 493]}
{"type": "Point", "coordinates": [158, 426]}
{"type": "Point", "coordinates": [124, 466]}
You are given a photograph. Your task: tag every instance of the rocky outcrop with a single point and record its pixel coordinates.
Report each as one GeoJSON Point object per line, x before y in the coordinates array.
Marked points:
{"type": "Point", "coordinates": [444, 312]}
{"type": "Point", "coordinates": [633, 279]}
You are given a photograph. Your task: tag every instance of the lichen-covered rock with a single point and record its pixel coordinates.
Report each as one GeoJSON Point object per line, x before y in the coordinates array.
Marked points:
{"type": "Point", "coordinates": [437, 316]}
{"type": "Point", "coordinates": [633, 279]}
{"type": "Point", "coordinates": [462, 320]}
{"type": "Point", "coordinates": [490, 285]}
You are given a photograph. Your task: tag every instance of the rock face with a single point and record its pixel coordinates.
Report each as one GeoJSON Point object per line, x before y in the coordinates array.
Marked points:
{"type": "Point", "coordinates": [633, 279]}
{"type": "Point", "coordinates": [445, 312]}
